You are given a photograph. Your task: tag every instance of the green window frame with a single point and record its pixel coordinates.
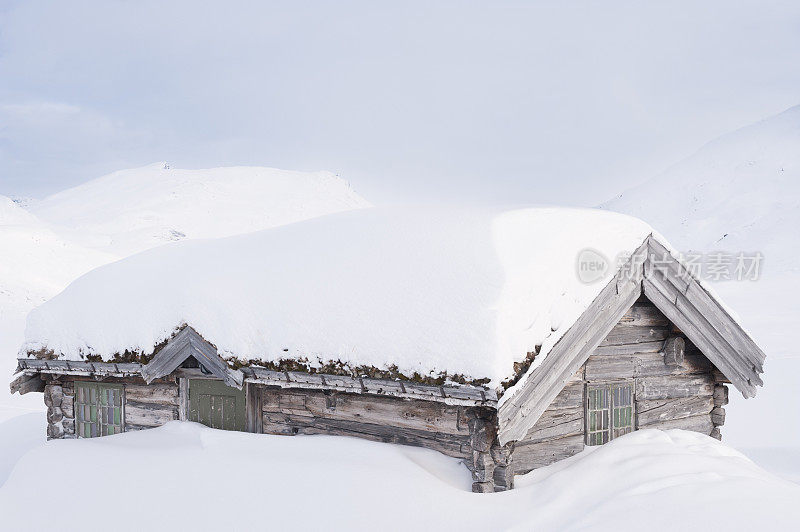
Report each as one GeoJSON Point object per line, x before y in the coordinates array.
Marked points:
{"type": "Point", "coordinates": [609, 412]}
{"type": "Point", "coordinates": [99, 409]}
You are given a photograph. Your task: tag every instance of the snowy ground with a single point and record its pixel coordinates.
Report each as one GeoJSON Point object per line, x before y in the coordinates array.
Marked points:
{"type": "Point", "coordinates": [685, 479]}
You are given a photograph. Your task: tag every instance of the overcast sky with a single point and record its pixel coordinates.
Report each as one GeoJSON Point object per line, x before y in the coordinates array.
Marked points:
{"type": "Point", "coordinates": [547, 102]}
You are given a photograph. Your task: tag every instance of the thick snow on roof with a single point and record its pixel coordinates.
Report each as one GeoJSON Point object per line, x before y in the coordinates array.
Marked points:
{"type": "Point", "coordinates": [463, 291]}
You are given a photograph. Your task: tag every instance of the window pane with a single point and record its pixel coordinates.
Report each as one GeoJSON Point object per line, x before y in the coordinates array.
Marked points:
{"type": "Point", "coordinates": [598, 415]}
{"type": "Point", "coordinates": [98, 409]}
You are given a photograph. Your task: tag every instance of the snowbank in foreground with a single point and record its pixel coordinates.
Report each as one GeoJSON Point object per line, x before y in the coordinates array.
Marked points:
{"type": "Point", "coordinates": [188, 477]}
{"type": "Point", "coordinates": [132, 210]}
{"type": "Point", "coordinates": [429, 290]}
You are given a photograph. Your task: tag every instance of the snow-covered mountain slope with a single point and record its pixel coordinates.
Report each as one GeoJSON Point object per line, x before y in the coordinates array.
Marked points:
{"type": "Point", "coordinates": [740, 192]}
{"type": "Point", "coordinates": [131, 210]}
{"type": "Point", "coordinates": [36, 263]}
{"type": "Point", "coordinates": [671, 480]}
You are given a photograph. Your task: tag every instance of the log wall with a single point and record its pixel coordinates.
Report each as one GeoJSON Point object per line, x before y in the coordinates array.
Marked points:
{"type": "Point", "coordinates": [462, 432]}
{"type": "Point", "coordinates": [148, 406]}
{"type": "Point", "coordinates": [672, 388]}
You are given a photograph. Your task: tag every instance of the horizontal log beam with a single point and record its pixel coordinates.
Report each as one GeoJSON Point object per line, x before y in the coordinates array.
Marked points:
{"type": "Point", "coordinates": [661, 410]}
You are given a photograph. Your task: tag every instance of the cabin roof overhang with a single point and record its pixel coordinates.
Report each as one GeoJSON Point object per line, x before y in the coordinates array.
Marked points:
{"type": "Point", "coordinates": [654, 271]}
{"type": "Point", "coordinates": [189, 343]}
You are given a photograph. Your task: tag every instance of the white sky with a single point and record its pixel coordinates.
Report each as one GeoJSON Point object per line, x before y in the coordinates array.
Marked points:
{"type": "Point", "coordinates": [550, 102]}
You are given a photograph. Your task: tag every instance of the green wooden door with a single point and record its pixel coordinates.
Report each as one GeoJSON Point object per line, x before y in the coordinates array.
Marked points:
{"type": "Point", "coordinates": [216, 405]}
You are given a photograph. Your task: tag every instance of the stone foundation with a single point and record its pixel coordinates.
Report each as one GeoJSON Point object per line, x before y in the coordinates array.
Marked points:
{"type": "Point", "coordinates": [59, 398]}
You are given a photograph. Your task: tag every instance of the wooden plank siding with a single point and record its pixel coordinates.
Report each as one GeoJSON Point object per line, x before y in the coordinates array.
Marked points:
{"type": "Point", "coordinates": [666, 396]}
{"type": "Point", "coordinates": [407, 421]}
{"type": "Point", "coordinates": [150, 405]}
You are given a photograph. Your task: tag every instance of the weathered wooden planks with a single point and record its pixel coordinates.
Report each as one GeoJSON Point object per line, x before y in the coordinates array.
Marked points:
{"type": "Point", "coordinates": [627, 366]}
{"type": "Point", "coordinates": [392, 412]}
{"type": "Point", "coordinates": [452, 394]}
{"type": "Point", "coordinates": [557, 423]}
{"type": "Point", "coordinates": [674, 351]}
{"type": "Point", "coordinates": [149, 415]}
{"type": "Point", "coordinates": [629, 349]}
{"type": "Point", "coordinates": [150, 405]}
{"type": "Point", "coordinates": [70, 367]}
{"type": "Point", "coordinates": [600, 368]}
{"type": "Point", "coordinates": [570, 397]}
{"type": "Point", "coordinates": [645, 314]}
{"type": "Point", "coordinates": [673, 387]}
{"type": "Point", "coordinates": [530, 456]}
{"type": "Point", "coordinates": [290, 424]}
{"type": "Point", "coordinates": [255, 408]}
{"type": "Point", "coordinates": [660, 410]}
{"type": "Point", "coordinates": [630, 334]}
{"type": "Point", "coordinates": [153, 393]}
{"type": "Point", "coordinates": [26, 383]}
{"type": "Point", "coordinates": [389, 419]}
{"type": "Point", "coordinates": [701, 423]}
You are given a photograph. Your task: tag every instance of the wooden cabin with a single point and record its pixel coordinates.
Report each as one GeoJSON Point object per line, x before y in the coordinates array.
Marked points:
{"type": "Point", "coordinates": [653, 349]}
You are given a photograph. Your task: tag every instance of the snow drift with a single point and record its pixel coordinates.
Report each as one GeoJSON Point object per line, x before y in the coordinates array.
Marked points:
{"type": "Point", "coordinates": [459, 291]}
{"type": "Point", "coordinates": [671, 480]}
{"type": "Point", "coordinates": [132, 210]}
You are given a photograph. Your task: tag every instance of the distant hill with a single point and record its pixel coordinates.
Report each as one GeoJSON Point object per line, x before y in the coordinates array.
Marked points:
{"type": "Point", "coordinates": [132, 210]}
{"type": "Point", "coordinates": [36, 262]}
{"type": "Point", "coordinates": [740, 192]}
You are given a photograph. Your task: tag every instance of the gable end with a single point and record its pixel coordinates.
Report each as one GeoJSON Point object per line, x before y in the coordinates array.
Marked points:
{"type": "Point", "coordinates": [186, 343]}
{"type": "Point", "coordinates": [654, 271]}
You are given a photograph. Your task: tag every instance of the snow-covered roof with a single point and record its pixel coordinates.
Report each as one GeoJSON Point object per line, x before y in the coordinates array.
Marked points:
{"type": "Point", "coordinates": [462, 291]}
